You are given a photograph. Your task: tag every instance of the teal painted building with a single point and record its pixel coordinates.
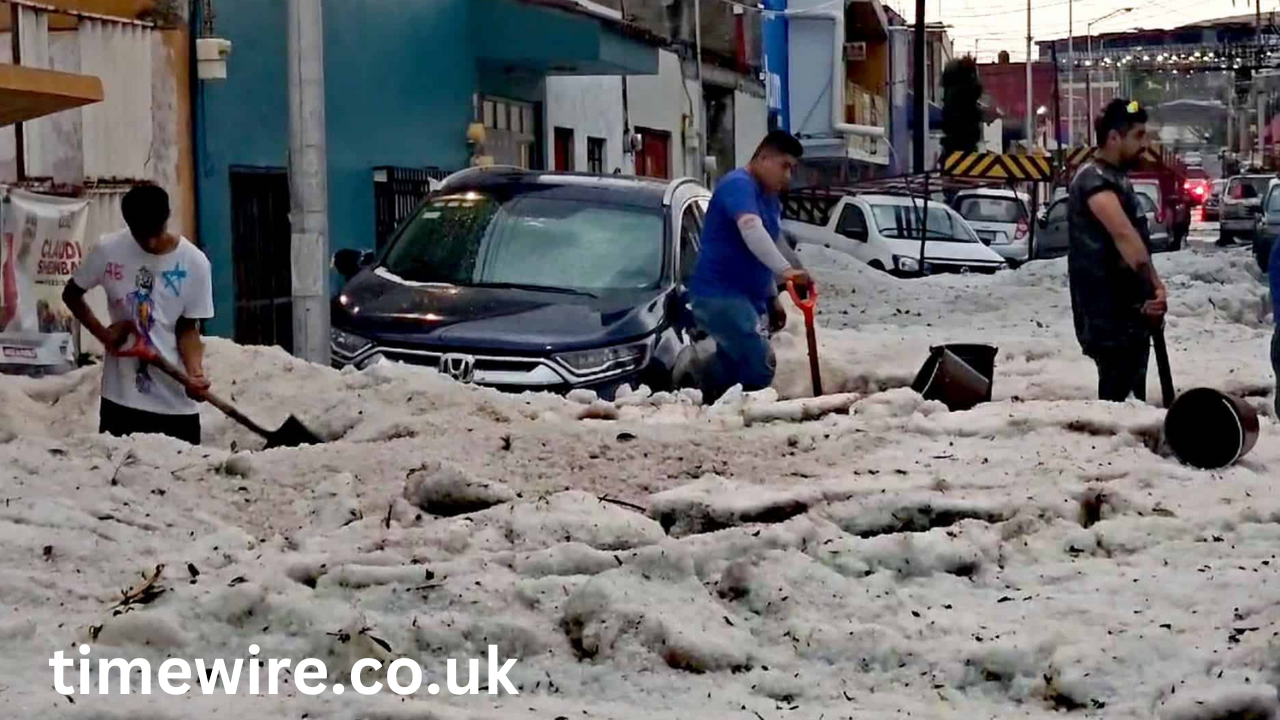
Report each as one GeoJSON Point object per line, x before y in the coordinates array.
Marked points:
{"type": "Point", "coordinates": [403, 81]}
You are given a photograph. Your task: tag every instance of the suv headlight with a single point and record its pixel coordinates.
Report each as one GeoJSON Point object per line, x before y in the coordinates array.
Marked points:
{"type": "Point", "coordinates": [906, 264]}
{"type": "Point", "coordinates": [348, 344]}
{"type": "Point", "coordinates": [615, 359]}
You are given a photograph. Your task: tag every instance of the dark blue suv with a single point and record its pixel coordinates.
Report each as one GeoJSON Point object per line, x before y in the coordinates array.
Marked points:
{"type": "Point", "coordinates": [524, 280]}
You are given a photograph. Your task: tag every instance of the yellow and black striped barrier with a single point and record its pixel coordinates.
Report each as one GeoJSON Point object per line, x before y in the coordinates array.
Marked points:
{"type": "Point", "coordinates": [1077, 156]}
{"type": "Point", "coordinates": [995, 166]}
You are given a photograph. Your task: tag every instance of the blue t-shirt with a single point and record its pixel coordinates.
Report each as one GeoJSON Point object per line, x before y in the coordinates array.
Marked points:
{"type": "Point", "coordinates": [1274, 272]}
{"type": "Point", "coordinates": [726, 266]}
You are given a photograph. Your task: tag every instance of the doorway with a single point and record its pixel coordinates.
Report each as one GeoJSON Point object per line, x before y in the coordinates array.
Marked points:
{"type": "Point", "coordinates": [261, 256]}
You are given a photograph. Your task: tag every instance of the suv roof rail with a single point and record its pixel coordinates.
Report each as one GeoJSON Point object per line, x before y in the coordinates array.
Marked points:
{"type": "Point", "coordinates": [481, 169]}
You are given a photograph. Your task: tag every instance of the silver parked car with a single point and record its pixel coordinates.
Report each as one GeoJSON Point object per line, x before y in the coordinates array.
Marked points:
{"type": "Point", "coordinates": [1242, 205]}
{"type": "Point", "coordinates": [1053, 239]}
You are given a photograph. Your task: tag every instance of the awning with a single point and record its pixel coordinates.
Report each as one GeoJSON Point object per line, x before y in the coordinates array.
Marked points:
{"type": "Point", "coordinates": [29, 93]}
{"type": "Point", "coordinates": [557, 37]}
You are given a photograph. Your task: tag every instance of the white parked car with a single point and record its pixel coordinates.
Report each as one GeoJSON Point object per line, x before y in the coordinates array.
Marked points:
{"type": "Point", "coordinates": [1000, 218]}
{"type": "Point", "coordinates": [886, 232]}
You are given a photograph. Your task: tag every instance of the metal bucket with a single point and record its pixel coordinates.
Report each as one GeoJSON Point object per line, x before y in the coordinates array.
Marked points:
{"type": "Point", "coordinates": [959, 376]}
{"type": "Point", "coordinates": [1210, 430]}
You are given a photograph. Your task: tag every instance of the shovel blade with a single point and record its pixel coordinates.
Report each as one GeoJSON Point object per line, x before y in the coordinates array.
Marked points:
{"type": "Point", "coordinates": [292, 434]}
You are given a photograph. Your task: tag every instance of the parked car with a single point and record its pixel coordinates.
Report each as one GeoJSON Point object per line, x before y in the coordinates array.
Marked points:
{"type": "Point", "coordinates": [529, 281]}
{"type": "Point", "coordinates": [1241, 206]}
{"type": "Point", "coordinates": [1001, 220]}
{"type": "Point", "coordinates": [1053, 240]}
{"type": "Point", "coordinates": [886, 232]}
{"type": "Point", "coordinates": [1171, 214]}
{"type": "Point", "coordinates": [1211, 211]}
{"type": "Point", "coordinates": [1268, 227]}
{"type": "Point", "coordinates": [1197, 185]}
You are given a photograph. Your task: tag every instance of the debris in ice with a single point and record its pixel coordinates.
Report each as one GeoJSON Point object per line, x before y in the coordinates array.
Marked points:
{"type": "Point", "coordinates": [714, 503]}
{"type": "Point", "coordinates": [445, 490]}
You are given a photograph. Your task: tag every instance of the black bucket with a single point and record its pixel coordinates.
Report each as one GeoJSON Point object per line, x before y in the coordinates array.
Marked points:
{"type": "Point", "coordinates": [959, 376]}
{"type": "Point", "coordinates": [1210, 430]}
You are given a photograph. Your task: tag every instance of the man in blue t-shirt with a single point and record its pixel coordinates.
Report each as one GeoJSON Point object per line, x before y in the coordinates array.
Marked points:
{"type": "Point", "coordinates": [733, 289]}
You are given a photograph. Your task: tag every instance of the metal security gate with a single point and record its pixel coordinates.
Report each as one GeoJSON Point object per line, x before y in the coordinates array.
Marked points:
{"type": "Point", "coordinates": [396, 192]}
{"type": "Point", "coordinates": [260, 254]}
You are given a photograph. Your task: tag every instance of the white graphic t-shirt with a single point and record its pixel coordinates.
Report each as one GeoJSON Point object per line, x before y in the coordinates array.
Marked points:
{"type": "Point", "coordinates": [153, 291]}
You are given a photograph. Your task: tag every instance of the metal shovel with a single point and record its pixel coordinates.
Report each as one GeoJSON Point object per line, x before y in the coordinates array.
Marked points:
{"type": "Point", "coordinates": [807, 306]}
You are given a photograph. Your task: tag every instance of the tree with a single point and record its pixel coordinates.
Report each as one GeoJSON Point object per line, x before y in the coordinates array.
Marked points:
{"type": "Point", "coordinates": [961, 116]}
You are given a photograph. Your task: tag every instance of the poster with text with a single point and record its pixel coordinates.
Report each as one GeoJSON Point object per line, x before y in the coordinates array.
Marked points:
{"type": "Point", "coordinates": [43, 245]}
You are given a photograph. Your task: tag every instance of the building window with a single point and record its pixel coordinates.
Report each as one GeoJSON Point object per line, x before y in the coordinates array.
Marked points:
{"type": "Point", "coordinates": [564, 149]}
{"type": "Point", "coordinates": [502, 116]}
{"type": "Point", "coordinates": [595, 155]}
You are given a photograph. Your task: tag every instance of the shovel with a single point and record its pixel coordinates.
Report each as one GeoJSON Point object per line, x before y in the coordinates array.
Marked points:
{"type": "Point", "coordinates": [1167, 392]}
{"type": "Point", "coordinates": [292, 434]}
{"type": "Point", "coordinates": [1162, 364]}
{"type": "Point", "coordinates": [807, 306]}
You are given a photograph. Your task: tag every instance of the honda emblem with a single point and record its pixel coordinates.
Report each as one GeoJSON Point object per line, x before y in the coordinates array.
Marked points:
{"type": "Point", "coordinates": [459, 367]}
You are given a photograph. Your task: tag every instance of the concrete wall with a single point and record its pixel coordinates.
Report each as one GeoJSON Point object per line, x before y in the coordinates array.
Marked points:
{"type": "Point", "coordinates": [751, 124]}
{"type": "Point", "coordinates": [673, 19]}
{"type": "Point", "coordinates": [591, 107]}
{"type": "Point", "coordinates": [661, 102]}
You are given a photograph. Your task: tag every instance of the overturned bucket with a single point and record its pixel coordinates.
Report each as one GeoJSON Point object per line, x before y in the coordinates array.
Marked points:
{"type": "Point", "coordinates": [959, 376]}
{"type": "Point", "coordinates": [1210, 430]}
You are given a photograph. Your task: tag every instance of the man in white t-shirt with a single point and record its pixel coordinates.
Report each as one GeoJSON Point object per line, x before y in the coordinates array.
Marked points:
{"type": "Point", "coordinates": [158, 289]}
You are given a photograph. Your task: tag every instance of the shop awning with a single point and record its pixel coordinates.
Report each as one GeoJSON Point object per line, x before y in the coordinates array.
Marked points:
{"type": "Point", "coordinates": [29, 93]}
{"type": "Point", "coordinates": [559, 37]}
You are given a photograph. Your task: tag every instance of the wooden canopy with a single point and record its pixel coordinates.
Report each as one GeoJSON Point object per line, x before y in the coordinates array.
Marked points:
{"type": "Point", "coordinates": [28, 93]}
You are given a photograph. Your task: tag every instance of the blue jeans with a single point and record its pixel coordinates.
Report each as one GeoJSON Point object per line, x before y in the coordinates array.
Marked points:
{"type": "Point", "coordinates": [1275, 364]}
{"type": "Point", "coordinates": [743, 355]}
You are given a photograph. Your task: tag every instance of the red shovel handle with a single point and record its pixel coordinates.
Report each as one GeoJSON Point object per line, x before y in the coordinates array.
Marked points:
{"type": "Point", "coordinates": [809, 303]}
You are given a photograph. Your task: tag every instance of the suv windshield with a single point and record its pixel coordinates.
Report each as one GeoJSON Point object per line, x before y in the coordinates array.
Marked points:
{"type": "Point", "coordinates": [903, 222]}
{"type": "Point", "coordinates": [991, 209]}
{"type": "Point", "coordinates": [532, 241]}
{"type": "Point", "coordinates": [1247, 188]}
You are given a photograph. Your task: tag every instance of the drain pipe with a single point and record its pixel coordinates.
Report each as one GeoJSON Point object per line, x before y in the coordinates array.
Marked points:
{"type": "Point", "coordinates": [839, 121]}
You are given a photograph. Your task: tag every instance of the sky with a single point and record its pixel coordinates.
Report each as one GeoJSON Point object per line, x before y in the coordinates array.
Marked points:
{"type": "Point", "coordinates": [994, 25]}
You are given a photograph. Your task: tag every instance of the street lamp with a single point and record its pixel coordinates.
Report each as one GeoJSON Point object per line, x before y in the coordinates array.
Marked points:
{"type": "Point", "coordinates": [1089, 76]}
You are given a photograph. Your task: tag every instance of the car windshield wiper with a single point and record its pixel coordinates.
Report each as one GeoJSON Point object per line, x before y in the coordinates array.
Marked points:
{"type": "Point", "coordinates": [528, 286]}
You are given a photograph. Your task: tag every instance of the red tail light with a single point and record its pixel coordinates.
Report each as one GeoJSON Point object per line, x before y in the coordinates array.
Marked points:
{"type": "Point", "coordinates": [1022, 229]}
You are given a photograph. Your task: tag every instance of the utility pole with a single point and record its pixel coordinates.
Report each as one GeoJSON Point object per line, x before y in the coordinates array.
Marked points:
{"type": "Point", "coordinates": [1071, 75]}
{"type": "Point", "coordinates": [1030, 121]}
{"type": "Point", "coordinates": [308, 183]}
{"type": "Point", "coordinates": [702, 90]}
{"type": "Point", "coordinates": [922, 120]}
{"type": "Point", "coordinates": [1258, 97]}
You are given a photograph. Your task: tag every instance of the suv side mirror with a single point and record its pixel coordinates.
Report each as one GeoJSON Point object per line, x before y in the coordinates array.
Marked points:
{"type": "Point", "coordinates": [348, 262]}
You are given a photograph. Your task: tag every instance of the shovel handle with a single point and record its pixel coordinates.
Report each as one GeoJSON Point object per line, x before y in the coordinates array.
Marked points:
{"type": "Point", "coordinates": [806, 306]}
{"type": "Point", "coordinates": [169, 369]}
{"type": "Point", "coordinates": [808, 303]}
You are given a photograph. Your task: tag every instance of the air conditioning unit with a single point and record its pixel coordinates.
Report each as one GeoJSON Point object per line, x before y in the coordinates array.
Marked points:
{"type": "Point", "coordinates": [856, 51]}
